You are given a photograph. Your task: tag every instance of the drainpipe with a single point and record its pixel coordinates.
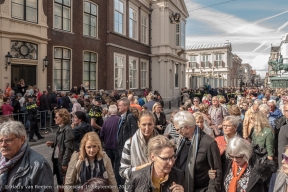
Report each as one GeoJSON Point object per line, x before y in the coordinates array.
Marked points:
{"type": "Point", "coordinates": [150, 44]}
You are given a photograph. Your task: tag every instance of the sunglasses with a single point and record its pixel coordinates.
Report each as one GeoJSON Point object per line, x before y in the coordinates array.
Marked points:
{"type": "Point", "coordinates": [285, 158]}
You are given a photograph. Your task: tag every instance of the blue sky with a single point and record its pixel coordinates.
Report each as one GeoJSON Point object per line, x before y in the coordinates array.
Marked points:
{"type": "Point", "coordinates": [250, 25]}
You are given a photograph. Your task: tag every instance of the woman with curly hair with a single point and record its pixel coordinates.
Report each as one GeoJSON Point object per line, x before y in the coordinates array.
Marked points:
{"type": "Point", "coordinates": [262, 133]}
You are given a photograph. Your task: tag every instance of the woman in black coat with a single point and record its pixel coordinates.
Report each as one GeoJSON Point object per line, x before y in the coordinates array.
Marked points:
{"type": "Point", "coordinates": [160, 123]}
{"type": "Point", "coordinates": [80, 127]}
{"type": "Point", "coordinates": [244, 168]}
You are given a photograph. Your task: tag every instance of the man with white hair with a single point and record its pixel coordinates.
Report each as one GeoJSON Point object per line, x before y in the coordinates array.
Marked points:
{"type": "Point", "coordinates": [274, 111]}
{"type": "Point", "coordinates": [247, 123]}
{"type": "Point", "coordinates": [282, 137]}
{"type": "Point", "coordinates": [20, 166]}
{"type": "Point", "coordinates": [197, 153]}
{"type": "Point", "coordinates": [108, 136]}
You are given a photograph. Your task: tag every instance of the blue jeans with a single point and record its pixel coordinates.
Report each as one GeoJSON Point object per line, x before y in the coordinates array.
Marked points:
{"type": "Point", "coordinates": [115, 158]}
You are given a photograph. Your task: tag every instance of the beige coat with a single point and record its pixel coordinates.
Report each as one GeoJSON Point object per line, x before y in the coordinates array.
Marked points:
{"type": "Point", "coordinates": [247, 123]}
{"type": "Point", "coordinates": [73, 172]}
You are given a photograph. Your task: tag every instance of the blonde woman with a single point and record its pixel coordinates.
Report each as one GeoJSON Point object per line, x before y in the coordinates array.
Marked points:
{"type": "Point", "coordinates": [90, 162]}
{"type": "Point", "coordinates": [203, 124]}
{"type": "Point", "coordinates": [262, 133]}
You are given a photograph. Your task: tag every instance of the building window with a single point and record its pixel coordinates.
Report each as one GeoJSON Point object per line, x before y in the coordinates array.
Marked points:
{"type": "Point", "coordinates": [119, 16]}
{"type": "Point", "coordinates": [144, 29]}
{"type": "Point", "coordinates": [205, 60]}
{"type": "Point", "coordinates": [62, 59]}
{"type": "Point", "coordinates": [62, 14]}
{"type": "Point", "coordinates": [90, 19]}
{"type": "Point", "coordinates": [192, 62]}
{"type": "Point", "coordinates": [89, 70]}
{"type": "Point", "coordinates": [181, 34]}
{"type": "Point", "coordinates": [119, 78]}
{"type": "Point", "coordinates": [25, 10]}
{"type": "Point", "coordinates": [176, 75]}
{"type": "Point", "coordinates": [132, 23]}
{"type": "Point", "coordinates": [144, 74]}
{"type": "Point", "coordinates": [218, 60]}
{"type": "Point", "coordinates": [133, 73]}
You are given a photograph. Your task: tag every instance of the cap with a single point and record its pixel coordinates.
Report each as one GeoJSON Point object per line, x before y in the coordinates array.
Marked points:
{"type": "Point", "coordinates": [284, 98]}
{"type": "Point", "coordinates": [98, 99]}
{"type": "Point", "coordinates": [30, 96]}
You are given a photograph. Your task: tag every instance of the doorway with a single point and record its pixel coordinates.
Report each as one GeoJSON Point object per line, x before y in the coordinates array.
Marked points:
{"type": "Point", "coordinates": [26, 72]}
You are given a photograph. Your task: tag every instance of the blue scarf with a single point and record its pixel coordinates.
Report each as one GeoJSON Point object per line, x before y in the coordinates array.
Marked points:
{"type": "Point", "coordinates": [5, 166]}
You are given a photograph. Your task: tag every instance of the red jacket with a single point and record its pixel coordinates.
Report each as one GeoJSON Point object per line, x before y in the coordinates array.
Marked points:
{"type": "Point", "coordinates": [7, 109]}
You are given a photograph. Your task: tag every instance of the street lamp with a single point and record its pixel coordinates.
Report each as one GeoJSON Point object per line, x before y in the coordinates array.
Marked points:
{"type": "Point", "coordinates": [45, 63]}
{"type": "Point", "coordinates": [8, 58]}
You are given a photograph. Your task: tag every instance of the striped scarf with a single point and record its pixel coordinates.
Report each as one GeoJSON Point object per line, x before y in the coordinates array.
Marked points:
{"type": "Point", "coordinates": [5, 166]}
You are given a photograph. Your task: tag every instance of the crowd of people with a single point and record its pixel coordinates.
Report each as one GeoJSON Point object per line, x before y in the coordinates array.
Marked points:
{"type": "Point", "coordinates": [223, 139]}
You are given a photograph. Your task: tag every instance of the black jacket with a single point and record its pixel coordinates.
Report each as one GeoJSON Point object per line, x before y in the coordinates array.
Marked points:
{"type": "Point", "coordinates": [79, 133]}
{"type": "Point", "coordinates": [208, 157]}
{"type": "Point", "coordinates": [141, 180]}
{"type": "Point", "coordinates": [260, 174]}
{"type": "Point", "coordinates": [80, 89]}
{"type": "Point", "coordinates": [64, 103]}
{"type": "Point", "coordinates": [44, 103]}
{"type": "Point", "coordinates": [161, 121]}
{"type": "Point", "coordinates": [127, 129]}
{"type": "Point", "coordinates": [16, 105]}
{"type": "Point", "coordinates": [53, 100]}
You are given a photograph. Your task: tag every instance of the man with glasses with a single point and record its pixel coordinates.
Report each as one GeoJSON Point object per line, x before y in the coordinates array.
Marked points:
{"type": "Point", "coordinates": [20, 166]}
{"type": "Point", "coordinates": [197, 153]}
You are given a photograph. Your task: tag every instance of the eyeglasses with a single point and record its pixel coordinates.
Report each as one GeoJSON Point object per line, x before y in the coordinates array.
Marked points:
{"type": "Point", "coordinates": [228, 126]}
{"type": "Point", "coordinates": [285, 158]}
{"type": "Point", "coordinates": [236, 157]}
{"type": "Point", "coordinates": [166, 160]}
{"type": "Point", "coordinates": [7, 141]}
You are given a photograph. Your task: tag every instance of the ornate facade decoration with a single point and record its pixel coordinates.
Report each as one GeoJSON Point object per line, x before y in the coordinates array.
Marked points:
{"type": "Point", "coordinates": [174, 18]}
{"type": "Point", "coordinates": [24, 50]}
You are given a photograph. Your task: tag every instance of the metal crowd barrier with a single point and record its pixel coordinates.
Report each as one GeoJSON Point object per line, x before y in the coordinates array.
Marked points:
{"type": "Point", "coordinates": [42, 116]}
{"type": "Point", "coordinates": [172, 103]}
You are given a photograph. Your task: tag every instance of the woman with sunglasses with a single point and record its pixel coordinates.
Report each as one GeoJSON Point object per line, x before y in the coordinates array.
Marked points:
{"type": "Point", "coordinates": [279, 180]}
{"type": "Point", "coordinates": [242, 172]}
{"type": "Point", "coordinates": [160, 175]}
{"type": "Point", "coordinates": [196, 103]}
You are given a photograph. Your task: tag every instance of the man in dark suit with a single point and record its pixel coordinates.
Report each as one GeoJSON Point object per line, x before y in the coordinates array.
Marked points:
{"type": "Point", "coordinates": [64, 101]}
{"type": "Point", "coordinates": [81, 88]}
{"type": "Point", "coordinates": [44, 107]}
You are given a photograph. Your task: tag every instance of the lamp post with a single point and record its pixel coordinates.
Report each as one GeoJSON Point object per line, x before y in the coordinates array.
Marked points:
{"type": "Point", "coordinates": [8, 58]}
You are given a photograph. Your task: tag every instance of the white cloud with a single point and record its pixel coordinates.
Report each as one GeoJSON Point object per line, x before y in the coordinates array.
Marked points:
{"type": "Point", "coordinates": [239, 32]}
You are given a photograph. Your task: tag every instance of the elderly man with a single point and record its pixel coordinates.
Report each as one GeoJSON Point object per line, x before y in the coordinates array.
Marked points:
{"type": "Point", "coordinates": [274, 111]}
{"type": "Point", "coordinates": [248, 121]}
{"type": "Point", "coordinates": [217, 112]}
{"type": "Point", "coordinates": [21, 168]}
{"type": "Point", "coordinates": [284, 100]}
{"type": "Point", "coordinates": [197, 153]}
{"type": "Point", "coordinates": [150, 102]}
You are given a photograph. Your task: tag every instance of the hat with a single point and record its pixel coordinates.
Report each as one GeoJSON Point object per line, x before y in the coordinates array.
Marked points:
{"type": "Point", "coordinates": [98, 99]}
{"type": "Point", "coordinates": [284, 98]}
{"type": "Point", "coordinates": [30, 96]}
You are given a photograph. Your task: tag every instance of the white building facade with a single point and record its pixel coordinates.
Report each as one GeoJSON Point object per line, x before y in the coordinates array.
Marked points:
{"type": "Point", "coordinates": [210, 64]}
{"type": "Point", "coordinates": [23, 33]}
{"type": "Point", "coordinates": [168, 56]}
